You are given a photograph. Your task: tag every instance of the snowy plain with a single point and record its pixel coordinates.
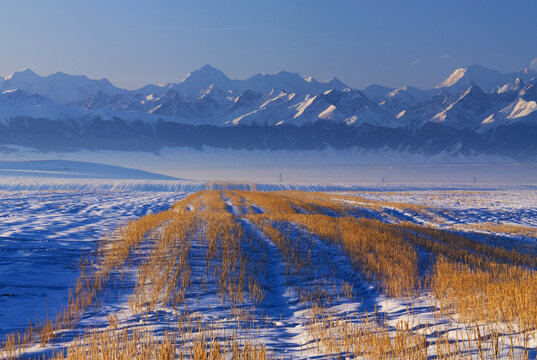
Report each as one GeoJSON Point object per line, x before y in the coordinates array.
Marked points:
{"type": "Point", "coordinates": [44, 234]}
{"type": "Point", "coordinates": [326, 166]}
{"type": "Point", "coordinates": [48, 223]}
{"type": "Point", "coordinates": [509, 206]}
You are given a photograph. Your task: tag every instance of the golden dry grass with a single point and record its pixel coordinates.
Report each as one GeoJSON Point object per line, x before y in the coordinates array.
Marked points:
{"type": "Point", "coordinates": [476, 283]}
{"type": "Point", "coordinates": [510, 229]}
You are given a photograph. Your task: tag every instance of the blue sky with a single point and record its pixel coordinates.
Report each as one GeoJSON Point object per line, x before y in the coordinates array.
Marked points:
{"type": "Point", "coordinates": [396, 42]}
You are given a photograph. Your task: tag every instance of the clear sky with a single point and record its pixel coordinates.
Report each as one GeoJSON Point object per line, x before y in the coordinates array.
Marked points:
{"type": "Point", "coordinates": [397, 42]}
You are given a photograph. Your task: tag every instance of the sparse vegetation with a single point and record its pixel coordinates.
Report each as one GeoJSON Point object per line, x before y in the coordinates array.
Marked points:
{"type": "Point", "coordinates": [512, 229]}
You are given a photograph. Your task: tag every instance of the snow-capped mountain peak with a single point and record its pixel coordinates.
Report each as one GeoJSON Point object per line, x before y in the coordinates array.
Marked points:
{"type": "Point", "coordinates": [522, 109]}
{"type": "Point", "coordinates": [513, 86]}
{"type": "Point", "coordinates": [23, 75]}
{"type": "Point", "coordinates": [474, 106]}
{"type": "Point", "coordinates": [206, 73]}
{"type": "Point", "coordinates": [456, 76]}
{"type": "Point", "coordinates": [201, 79]}
{"type": "Point", "coordinates": [485, 78]}
{"type": "Point", "coordinates": [59, 87]}
{"type": "Point", "coordinates": [214, 92]}
{"type": "Point", "coordinates": [473, 75]}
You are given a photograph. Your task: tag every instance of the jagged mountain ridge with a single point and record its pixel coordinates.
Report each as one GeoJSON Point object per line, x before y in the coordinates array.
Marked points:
{"type": "Point", "coordinates": [471, 101]}
{"type": "Point", "coordinates": [59, 87]}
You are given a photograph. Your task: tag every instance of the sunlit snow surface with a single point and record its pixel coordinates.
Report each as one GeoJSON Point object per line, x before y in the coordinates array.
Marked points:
{"type": "Point", "coordinates": [507, 206]}
{"type": "Point", "coordinates": [43, 235]}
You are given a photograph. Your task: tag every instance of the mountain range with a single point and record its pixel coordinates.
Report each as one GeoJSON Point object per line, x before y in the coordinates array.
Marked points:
{"type": "Point", "coordinates": [475, 110]}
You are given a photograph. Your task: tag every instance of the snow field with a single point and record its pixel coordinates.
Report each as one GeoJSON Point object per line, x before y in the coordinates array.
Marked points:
{"type": "Point", "coordinates": [507, 213]}
{"type": "Point", "coordinates": [302, 275]}
{"type": "Point", "coordinates": [44, 234]}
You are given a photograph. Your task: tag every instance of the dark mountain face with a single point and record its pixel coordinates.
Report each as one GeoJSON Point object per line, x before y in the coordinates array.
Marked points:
{"type": "Point", "coordinates": [529, 91]}
{"type": "Point", "coordinates": [516, 140]}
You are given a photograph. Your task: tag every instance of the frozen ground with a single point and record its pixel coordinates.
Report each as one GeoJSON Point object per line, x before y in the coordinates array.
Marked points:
{"type": "Point", "coordinates": [43, 235]}
{"type": "Point", "coordinates": [494, 200]}
{"type": "Point", "coordinates": [324, 166]}
{"type": "Point", "coordinates": [74, 169]}
{"type": "Point", "coordinates": [452, 208]}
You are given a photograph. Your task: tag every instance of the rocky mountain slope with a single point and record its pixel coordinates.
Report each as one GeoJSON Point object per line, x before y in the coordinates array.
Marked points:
{"type": "Point", "coordinates": [474, 111]}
